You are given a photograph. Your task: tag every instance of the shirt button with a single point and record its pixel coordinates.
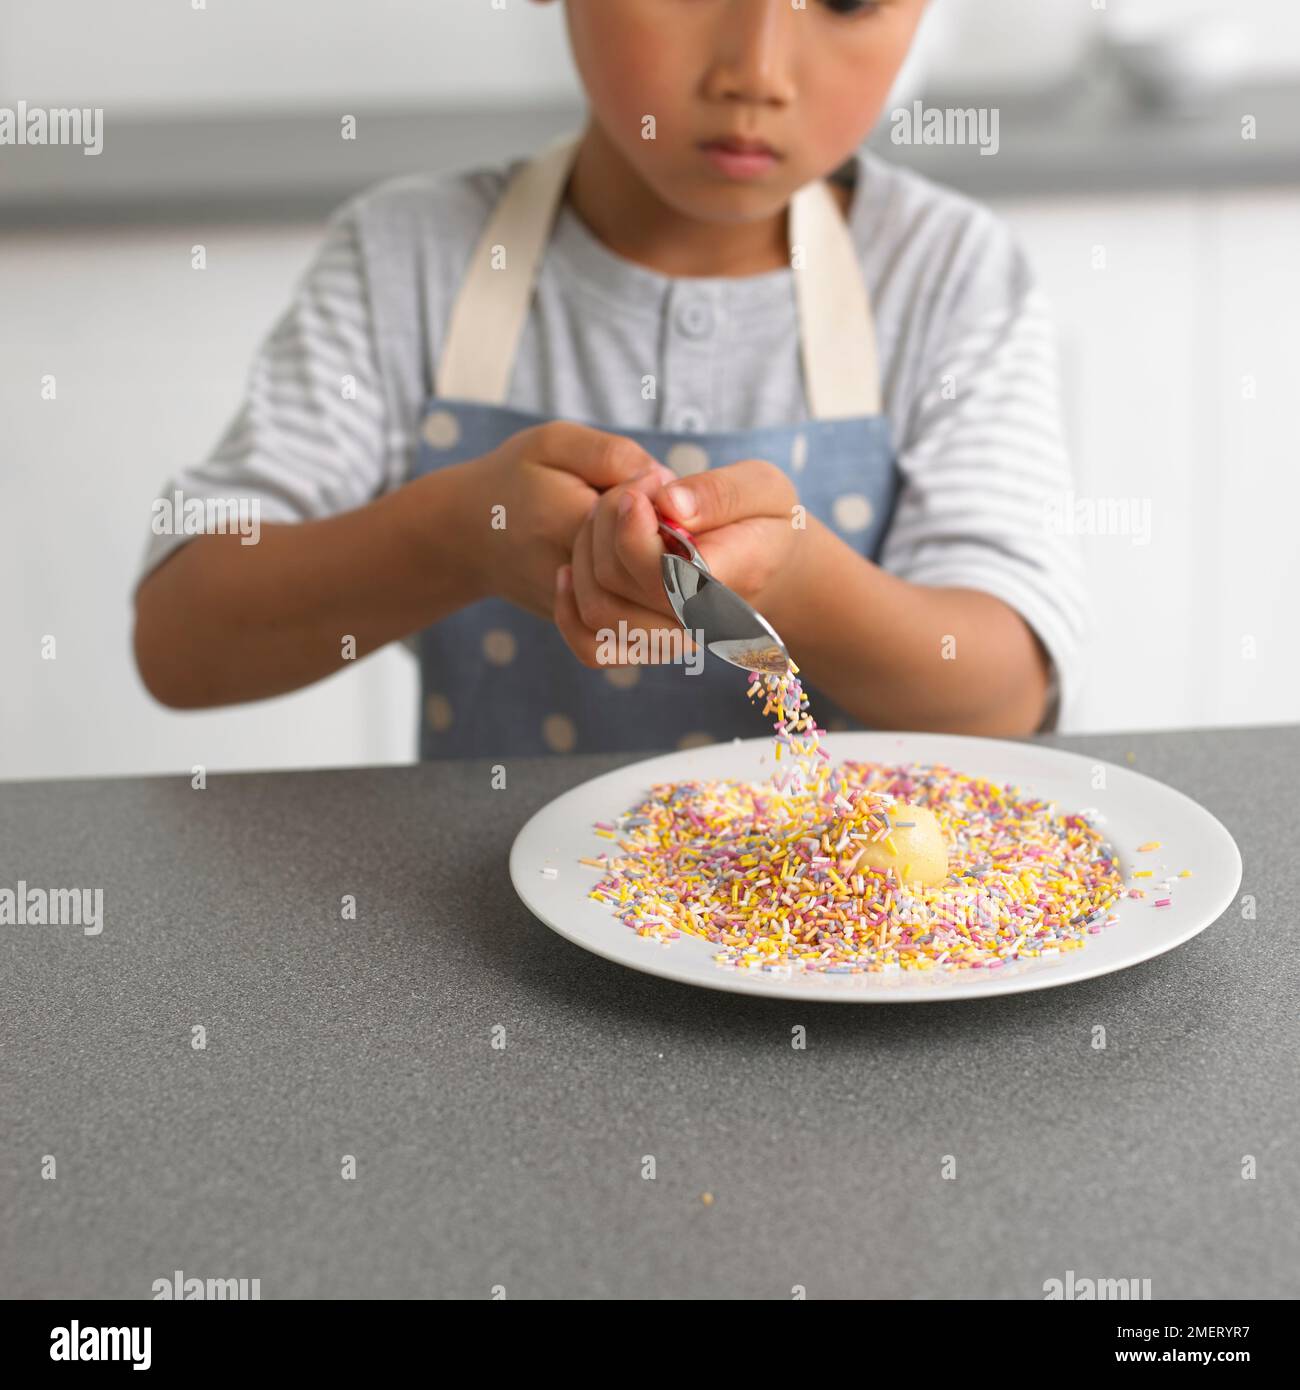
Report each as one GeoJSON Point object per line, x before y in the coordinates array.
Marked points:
{"type": "Point", "coordinates": [690, 420]}
{"type": "Point", "coordinates": [695, 319]}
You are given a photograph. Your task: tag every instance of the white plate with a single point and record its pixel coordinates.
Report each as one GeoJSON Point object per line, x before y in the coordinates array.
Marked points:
{"type": "Point", "coordinates": [1136, 810]}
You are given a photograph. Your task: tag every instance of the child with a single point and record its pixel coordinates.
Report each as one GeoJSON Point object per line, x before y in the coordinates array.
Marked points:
{"type": "Point", "coordinates": [710, 306]}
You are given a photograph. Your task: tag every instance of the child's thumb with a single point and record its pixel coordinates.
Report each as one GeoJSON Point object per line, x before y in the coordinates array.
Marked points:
{"type": "Point", "coordinates": [701, 503]}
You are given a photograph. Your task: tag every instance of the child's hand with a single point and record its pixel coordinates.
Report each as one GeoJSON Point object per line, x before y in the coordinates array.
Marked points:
{"type": "Point", "coordinates": [544, 481]}
{"type": "Point", "coordinates": [742, 517]}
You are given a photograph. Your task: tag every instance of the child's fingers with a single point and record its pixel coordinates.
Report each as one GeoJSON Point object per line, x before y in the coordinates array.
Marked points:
{"type": "Point", "coordinates": [599, 626]}
{"type": "Point", "coordinates": [580, 641]}
{"type": "Point", "coordinates": [719, 496]}
{"type": "Point", "coordinates": [625, 542]}
{"type": "Point", "coordinates": [600, 459]}
{"type": "Point", "coordinates": [598, 607]}
{"type": "Point", "coordinates": [582, 570]}
{"type": "Point", "coordinates": [748, 555]}
{"type": "Point", "coordinates": [596, 648]}
{"type": "Point", "coordinates": [639, 548]}
{"type": "Point", "coordinates": [566, 512]}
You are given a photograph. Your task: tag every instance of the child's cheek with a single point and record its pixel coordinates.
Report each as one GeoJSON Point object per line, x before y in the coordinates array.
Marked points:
{"type": "Point", "coordinates": [839, 115]}
{"type": "Point", "coordinates": [644, 110]}
{"type": "Point", "coordinates": [631, 70]}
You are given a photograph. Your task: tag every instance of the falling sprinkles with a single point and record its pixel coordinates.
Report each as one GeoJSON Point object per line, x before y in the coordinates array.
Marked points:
{"type": "Point", "coordinates": [765, 871]}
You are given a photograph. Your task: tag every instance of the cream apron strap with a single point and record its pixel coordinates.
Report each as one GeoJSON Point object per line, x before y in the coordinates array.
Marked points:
{"type": "Point", "coordinates": [840, 364]}
{"type": "Point", "coordinates": [488, 317]}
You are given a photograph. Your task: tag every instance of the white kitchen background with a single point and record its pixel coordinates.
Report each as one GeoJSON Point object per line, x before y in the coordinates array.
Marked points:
{"type": "Point", "coordinates": [1181, 360]}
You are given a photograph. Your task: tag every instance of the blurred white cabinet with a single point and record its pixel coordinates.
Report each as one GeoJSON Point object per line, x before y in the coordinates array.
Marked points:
{"type": "Point", "coordinates": [1255, 347]}
{"type": "Point", "coordinates": [1180, 357]}
{"type": "Point", "coordinates": [148, 358]}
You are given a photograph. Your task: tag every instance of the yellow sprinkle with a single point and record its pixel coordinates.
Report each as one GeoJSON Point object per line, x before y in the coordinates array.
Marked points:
{"type": "Point", "coordinates": [1150, 844]}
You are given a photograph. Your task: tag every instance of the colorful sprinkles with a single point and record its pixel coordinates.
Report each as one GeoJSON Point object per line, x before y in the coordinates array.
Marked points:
{"type": "Point", "coordinates": [765, 870]}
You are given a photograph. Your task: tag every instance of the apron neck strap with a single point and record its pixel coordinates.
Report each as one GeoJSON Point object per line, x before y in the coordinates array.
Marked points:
{"type": "Point", "coordinates": [488, 317]}
{"type": "Point", "coordinates": [837, 337]}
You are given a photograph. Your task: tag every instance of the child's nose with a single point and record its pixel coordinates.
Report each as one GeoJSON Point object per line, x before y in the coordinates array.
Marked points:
{"type": "Point", "coordinates": [751, 53]}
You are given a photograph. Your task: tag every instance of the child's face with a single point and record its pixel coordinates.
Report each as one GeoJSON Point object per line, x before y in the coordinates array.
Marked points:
{"type": "Point", "coordinates": [750, 99]}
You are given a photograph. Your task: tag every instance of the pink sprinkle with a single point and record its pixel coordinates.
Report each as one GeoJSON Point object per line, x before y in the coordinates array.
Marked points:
{"type": "Point", "coordinates": [1162, 902]}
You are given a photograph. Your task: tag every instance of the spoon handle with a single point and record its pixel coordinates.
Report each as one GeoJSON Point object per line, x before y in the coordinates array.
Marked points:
{"type": "Point", "coordinates": [680, 541]}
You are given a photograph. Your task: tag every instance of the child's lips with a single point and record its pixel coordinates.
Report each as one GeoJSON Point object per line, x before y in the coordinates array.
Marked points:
{"type": "Point", "coordinates": [739, 158]}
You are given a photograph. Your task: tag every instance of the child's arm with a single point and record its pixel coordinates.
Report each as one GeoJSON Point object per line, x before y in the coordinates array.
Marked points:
{"type": "Point", "coordinates": [219, 622]}
{"type": "Point", "coordinates": [894, 654]}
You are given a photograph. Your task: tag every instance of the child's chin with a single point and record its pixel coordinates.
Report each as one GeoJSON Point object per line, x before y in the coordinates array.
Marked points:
{"type": "Point", "coordinates": [711, 197]}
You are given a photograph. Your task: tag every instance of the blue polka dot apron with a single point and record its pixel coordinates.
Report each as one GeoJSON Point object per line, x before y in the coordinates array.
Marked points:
{"type": "Point", "coordinates": [498, 680]}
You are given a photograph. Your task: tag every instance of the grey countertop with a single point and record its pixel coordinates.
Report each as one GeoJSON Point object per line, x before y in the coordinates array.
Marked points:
{"type": "Point", "coordinates": [186, 168]}
{"type": "Point", "coordinates": [522, 1167]}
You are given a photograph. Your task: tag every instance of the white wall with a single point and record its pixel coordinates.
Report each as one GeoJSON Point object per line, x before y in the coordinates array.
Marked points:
{"type": "Point", "coordinates": [161, 55]}
{"type": "Point", "coordinates": [997, 45]}
{"type": "Point", "coordinates": [148, 358]}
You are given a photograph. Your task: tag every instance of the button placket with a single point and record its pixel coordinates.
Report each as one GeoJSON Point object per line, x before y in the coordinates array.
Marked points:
{"type": "Point", "coordinates": [691, 344]}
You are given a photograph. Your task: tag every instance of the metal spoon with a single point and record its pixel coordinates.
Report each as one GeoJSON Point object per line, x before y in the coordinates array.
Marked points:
{"type": "Point", "coordinates": [728, 626]}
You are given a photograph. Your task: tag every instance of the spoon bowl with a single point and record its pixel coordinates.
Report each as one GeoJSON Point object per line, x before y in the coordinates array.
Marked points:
{"type": "Point", "coordinates": [728, 626]}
